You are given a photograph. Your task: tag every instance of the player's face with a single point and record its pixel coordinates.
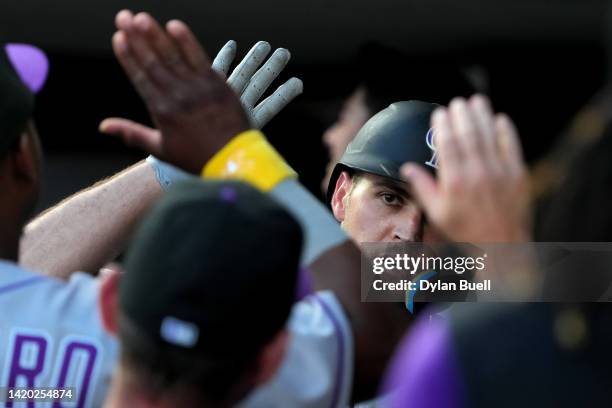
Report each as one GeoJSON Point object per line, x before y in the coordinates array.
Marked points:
{"type": "Point", "coordinates": [377, 209]}
{"type": "Point", "coordinates": [353, 116]}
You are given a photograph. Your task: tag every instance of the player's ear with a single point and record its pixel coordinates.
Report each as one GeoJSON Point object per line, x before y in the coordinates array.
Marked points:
{"type": "Point", "coordinates": [271, 357]}
{"type": "Point", "coordinates": [340, 197]}
{"type": "Point", "coordinates": [26, 157]}
{"type": "Point", "coordinates": [108, 300]}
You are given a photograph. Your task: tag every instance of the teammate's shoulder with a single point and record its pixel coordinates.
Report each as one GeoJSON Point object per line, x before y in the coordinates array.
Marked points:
{"type": "Point", "coordinates": [14, 275]}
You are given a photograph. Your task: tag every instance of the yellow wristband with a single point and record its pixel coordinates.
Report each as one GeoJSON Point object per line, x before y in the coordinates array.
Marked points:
{"type": "Point", "coordinates": [249, 157]}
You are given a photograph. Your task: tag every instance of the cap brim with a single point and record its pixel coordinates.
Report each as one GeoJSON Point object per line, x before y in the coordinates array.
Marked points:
{"type": "Point", "coordinates": [30, 63]}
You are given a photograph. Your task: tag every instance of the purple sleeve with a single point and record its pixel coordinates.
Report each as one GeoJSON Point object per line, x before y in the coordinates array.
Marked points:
{"type": "Point", "coordinates": [303, 285]}
{"type": "Point", "coordinates": [424, 371]}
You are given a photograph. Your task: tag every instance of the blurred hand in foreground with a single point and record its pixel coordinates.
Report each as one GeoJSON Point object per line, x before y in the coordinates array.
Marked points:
{"type": "Point", "coordinates": [482, 192]}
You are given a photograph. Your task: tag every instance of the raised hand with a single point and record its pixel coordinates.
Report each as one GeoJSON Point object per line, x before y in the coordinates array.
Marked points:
{"type": "Point", "coordinates": [195, 111]}
{"type": "Point", "coordinates": [481, 194]}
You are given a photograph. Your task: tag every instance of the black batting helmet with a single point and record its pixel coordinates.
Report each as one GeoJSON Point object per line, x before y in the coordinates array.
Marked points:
{"type": "Point", "coordinates": [398, 134]}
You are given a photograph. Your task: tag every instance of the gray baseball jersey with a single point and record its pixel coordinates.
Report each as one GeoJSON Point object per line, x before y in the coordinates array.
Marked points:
{"type": "Point", "coordinates": [317, 370]}
{"type": "Point", "coordinates": [51, 336]}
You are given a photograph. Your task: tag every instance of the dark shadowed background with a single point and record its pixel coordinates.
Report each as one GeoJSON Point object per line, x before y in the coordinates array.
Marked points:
{"type": "Point", "coordinates": [538, 60]}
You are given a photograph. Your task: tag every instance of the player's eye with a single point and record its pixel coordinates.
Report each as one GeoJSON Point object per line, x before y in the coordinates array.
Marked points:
{"type": "Point", "coordinates": [390, 199]}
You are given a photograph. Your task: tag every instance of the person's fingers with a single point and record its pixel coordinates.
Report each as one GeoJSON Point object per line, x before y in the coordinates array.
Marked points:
{"type": "Point", "coordinates": [189, 46]}
{"type": "Point", "coordinates": [509, 143]}
{"type": "Point", "coordinates": [464, 130]}
{"type": "Point", "coordinates": [146, 89]}
{"type": "Point", "coordinates": [120, 126]}
{"type": "Point", "coordinates": [264, 77]}
{"type": "Point", "coordinates": [134, 134]}
{"type": "Point", "coordinates": [450, 159]}
{"type": "Point", "coordinates": [423, 186]}
{"type": "Point", "coordinates": [484, 121]}
{"type": "Point", "coordinates": [161, 44]}
{"type": "Point", "coordinates": [123, 20]}
{"type": "Point", "coordinates": [144, 51]}
{"type": "Point", "coordinates": [247, 67]}
{"type": "Point", "coordinates": [225, 57]}
{"type": "Point", "coordinates": [276, 102]}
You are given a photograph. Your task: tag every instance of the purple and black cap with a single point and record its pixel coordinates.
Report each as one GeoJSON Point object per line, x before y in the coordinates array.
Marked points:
{"type": "Point", "coordinates": [23, 71]}
{"type": "Point", "coordinates": [212, 272]}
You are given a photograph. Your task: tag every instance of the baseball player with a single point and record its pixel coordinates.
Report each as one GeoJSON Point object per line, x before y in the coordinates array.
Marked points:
{"type": "Point", "coordinates": [557, 354]}
{"type": "Point", "coordinates": [50, 334]}
{"type": "Point", "coordinates": [375, 201]}
{"type": "Point", "coordinates": [200, 312]}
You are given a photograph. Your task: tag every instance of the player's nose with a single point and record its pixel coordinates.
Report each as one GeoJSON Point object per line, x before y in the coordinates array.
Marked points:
{"type": "Point", "coordinates": [408, 229]}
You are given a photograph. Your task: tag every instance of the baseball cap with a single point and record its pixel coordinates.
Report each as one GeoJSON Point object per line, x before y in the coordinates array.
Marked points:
{"type": "Point", "coordinates": [212, 270]}
{"type": "Point", "coordinates": [397, 134]}
{"type": "Point", "coordinates": [23, 71]}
